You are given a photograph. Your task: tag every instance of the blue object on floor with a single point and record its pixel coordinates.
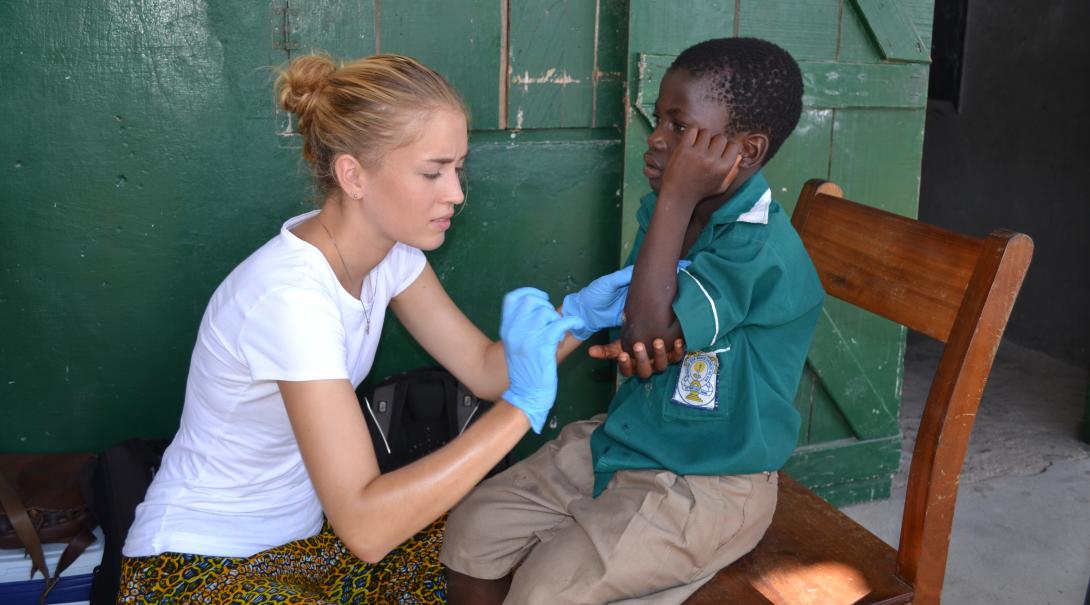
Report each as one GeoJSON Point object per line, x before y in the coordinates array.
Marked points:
{"type": "Point", "coordinates": [68, 590]}
{"type": "Point", "coordinates": [18, 588]}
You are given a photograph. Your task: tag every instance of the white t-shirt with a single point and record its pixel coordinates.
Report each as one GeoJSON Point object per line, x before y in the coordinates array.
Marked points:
{"type": "Point", "coordinates": [232, 482]}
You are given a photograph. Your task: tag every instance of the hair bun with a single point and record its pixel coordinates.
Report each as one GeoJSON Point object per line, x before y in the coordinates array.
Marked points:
{"type": "Point", "coordinates": [298, 84]}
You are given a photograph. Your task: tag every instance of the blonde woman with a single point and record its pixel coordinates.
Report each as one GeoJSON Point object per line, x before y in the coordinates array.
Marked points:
{"type": "Point", "coordinates": [272, 442]}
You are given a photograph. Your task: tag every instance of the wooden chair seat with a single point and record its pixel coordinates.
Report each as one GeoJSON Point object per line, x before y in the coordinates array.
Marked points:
{"type": "Point", "coordinates": [795, 564]}
{"type": "Point", "coordinates": [952, 287]}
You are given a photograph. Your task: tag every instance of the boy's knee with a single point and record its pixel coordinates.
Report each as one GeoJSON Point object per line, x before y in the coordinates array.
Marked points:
{"type": "Point", "coordinates": [474, 544]}
{"type": "Point", "coordinates": [466, 519]}
{"type": "Point", "coordinates": [475, 527]}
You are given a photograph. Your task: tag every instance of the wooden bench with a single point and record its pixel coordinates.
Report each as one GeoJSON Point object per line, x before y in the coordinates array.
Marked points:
{"type": "Point", "coordinates": [952, 287]}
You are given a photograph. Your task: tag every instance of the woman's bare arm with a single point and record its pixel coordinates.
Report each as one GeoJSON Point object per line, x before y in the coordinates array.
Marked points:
{"type": "Point", "coordinates": [370, 512]}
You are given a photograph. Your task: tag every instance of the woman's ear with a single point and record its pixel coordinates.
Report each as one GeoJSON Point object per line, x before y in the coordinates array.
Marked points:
{"type": "Point", "coordinates": [350, 175]}
{"type": "Point", "coordinates": [754, 150]}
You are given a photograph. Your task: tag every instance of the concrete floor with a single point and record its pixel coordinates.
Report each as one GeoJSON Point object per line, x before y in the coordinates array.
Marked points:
{"type": "Point", "coordinates": [1022, 526]}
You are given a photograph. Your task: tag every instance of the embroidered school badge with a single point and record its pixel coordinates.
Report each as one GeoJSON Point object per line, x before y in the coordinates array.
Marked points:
{"type": "Point", "coordinates": [698, 381]}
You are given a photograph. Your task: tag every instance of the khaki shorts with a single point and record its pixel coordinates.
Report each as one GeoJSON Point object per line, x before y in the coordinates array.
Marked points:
{"type": "Point", "coordinates": [651, 537]}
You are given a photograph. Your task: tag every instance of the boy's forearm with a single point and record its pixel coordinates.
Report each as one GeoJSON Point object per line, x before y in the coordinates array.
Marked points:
{"type": "Point", "coordinates": [649, 312]}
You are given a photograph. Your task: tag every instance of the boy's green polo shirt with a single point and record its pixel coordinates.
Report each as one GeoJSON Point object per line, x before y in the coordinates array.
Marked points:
{"type": "Point", "coordinates": [748, 303]}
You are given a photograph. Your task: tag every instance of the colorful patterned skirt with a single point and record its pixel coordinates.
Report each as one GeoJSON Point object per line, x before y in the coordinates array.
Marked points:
{"type": "Point", "coordinates": [316, 570]}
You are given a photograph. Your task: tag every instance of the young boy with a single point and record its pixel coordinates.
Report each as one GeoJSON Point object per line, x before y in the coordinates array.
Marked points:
{"type": "Point", "coordinates": [679, 480]}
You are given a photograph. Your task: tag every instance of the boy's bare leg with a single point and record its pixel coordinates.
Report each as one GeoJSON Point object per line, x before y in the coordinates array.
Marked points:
{"type": "Point", "coordinates": [467, 590]}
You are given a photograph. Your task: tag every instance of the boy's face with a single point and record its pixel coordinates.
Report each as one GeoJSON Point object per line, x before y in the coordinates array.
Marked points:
{"type": "Point", "coordinates": [684, 102]}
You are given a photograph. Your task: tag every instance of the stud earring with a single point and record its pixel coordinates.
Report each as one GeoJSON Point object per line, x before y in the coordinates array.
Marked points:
{"type": "Point", "coordinates": [355, 196]}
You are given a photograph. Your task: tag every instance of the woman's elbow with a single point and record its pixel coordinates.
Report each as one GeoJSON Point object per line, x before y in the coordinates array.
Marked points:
{"type": "Point", "coordinates": [370, 556]}
{"type": "Point", "coordinates": [367, 539]}
{"type": "Point", "coordinates": [491, 393]}
{"type": "Point", "coordinates": [366, 549]}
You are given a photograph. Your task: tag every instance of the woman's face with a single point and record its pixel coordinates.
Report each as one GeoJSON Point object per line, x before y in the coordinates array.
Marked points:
{"type": "Point", "coordinates": [412, 194]}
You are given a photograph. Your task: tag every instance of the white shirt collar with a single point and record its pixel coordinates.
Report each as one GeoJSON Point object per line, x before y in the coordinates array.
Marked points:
{"type": "Point", "coordinates": [759, 212]}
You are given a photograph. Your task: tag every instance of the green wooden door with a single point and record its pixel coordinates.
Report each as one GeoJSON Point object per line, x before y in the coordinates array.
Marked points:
{"type": "Point", "coordinates": [865, 74]}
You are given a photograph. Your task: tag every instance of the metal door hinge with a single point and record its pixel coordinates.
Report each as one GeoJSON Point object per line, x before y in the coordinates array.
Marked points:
{"type": "Point", "coordinates": [284, 25]}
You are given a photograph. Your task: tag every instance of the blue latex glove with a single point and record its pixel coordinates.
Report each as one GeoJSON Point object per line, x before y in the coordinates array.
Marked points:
{"type": "Point", "coordinates": [599, 305]}
{"type": "Point", "coordinates": [531, 329]}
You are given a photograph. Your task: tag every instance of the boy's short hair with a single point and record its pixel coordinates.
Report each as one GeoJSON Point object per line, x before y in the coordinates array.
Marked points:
{"type": "Point", "coordinates": [758, 83]}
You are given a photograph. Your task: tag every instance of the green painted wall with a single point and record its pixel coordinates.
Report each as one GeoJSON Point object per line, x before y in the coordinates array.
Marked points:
{"type": "Point", "coordinates": [142, 158]}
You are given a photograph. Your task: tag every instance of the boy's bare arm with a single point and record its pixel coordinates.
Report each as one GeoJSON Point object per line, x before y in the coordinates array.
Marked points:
{"type": "Point", "coordinates": [702, 166]}
{"type": "Point", "coordinates": [648, 311]}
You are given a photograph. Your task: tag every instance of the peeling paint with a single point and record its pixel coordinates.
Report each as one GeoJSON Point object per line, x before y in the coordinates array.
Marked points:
{"type": "Point", "coordinates": [551, 76]}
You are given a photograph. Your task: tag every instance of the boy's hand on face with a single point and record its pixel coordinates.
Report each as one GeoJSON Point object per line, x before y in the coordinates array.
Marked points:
{"type": "Point", "coordinates": [702, 165]}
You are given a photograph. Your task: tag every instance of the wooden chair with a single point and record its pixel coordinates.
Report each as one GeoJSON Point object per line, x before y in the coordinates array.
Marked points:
{"type": "Point", "coordinates": [951, 287]}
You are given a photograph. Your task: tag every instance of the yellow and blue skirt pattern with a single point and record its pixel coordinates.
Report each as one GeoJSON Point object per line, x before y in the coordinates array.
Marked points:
{"type": "Point", "coordinates": [314, 571]}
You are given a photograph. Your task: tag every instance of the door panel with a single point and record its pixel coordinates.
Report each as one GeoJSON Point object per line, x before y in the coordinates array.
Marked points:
{"type": "Point", "coordinates": [552, 64]}
{"type": "Point", "coordinates": [892, 31]}
{"type": "Point", "coordinates": [857, 45]}
{"type": "Point", "coordinates": [805, 152]}
{"type": "Point", "coordinates": [460, 40]}
{"type": "Point", "coordinates": [812, 38]}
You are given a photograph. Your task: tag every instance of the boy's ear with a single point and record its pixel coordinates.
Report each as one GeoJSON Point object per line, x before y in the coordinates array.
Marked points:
{"type": "Point", "coordinates": [754, 150]}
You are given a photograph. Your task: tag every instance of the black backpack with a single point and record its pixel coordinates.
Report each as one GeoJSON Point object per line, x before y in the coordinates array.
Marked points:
{"type": "Point", "coordinates": [113, 485]}
{"type": "Point", "coordinates": [414, 413]}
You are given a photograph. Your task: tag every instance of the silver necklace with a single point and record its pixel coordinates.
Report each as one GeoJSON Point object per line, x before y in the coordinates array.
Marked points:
{"type": "Point", "coordinates": [366, 311]}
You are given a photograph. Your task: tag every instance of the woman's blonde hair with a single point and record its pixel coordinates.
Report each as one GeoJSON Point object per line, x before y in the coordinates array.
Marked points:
{"type": "Point", "coordinates": [364, 108]}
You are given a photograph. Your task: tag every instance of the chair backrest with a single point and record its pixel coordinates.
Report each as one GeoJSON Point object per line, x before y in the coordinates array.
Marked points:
{"type": "Point", "coordinates": [954, 288]}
